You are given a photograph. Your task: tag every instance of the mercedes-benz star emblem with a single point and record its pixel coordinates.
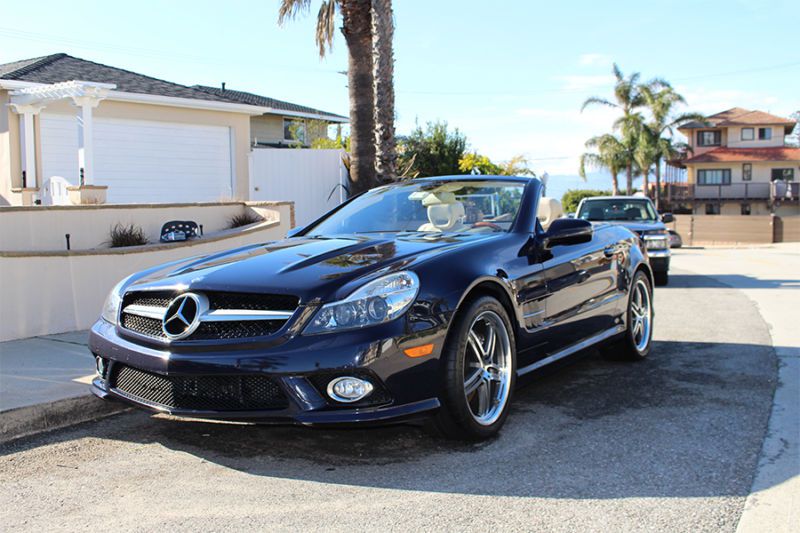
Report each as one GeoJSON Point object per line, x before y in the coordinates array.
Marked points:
{"type": "Point", "coordinates": [183, 315]}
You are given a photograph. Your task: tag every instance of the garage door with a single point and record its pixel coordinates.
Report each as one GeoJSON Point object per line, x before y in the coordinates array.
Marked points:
{"type": "Point", "coordinates": [144, 161]}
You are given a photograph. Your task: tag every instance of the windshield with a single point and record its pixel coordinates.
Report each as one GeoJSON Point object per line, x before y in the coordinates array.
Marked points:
{"type": "Point", "coordinates": [436, 207]}
{"type": "Point", "coordinates": [617, 209]}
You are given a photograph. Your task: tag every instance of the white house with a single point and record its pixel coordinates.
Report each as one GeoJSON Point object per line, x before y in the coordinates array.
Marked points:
{"type": "Point", "coordinates": [132, 138]}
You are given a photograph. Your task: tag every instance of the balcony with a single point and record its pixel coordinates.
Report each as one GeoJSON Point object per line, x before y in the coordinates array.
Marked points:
{"type": "Point", "coordinates": [736, 191]}
{"type": "Point", "coordinates": [784, 191]}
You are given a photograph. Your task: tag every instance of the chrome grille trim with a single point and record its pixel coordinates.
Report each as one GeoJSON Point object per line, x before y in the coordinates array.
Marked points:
{"type": "Point", "coordinates": [239, 315]}
{"type": "Point", "coordinates": [217, 315]}
{"type": "Point", "coordinates": [147, 311]}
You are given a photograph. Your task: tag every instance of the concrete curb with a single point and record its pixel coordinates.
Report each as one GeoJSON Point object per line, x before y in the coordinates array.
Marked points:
{"type": "Point", "coordinates": [33, 419]}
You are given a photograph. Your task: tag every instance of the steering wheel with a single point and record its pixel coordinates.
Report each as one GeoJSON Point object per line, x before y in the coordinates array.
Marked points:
{"type": "Point", "coordinates": [486, 224]}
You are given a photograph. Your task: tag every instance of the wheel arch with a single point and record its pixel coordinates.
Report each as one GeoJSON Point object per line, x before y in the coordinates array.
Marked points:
{"type": "Point", "coordinates": [497, 288]}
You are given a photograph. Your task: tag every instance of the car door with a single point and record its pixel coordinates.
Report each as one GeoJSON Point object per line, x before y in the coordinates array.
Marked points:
{"type": "Point", "coordinates": [582, 290]}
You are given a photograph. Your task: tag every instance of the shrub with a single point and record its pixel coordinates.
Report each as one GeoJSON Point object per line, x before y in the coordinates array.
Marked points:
{"type": "Point", "coordinates": [571, 198]}
{"type": "Point", "coordinates": [243, 219]}
{"type": "Point", "coordinates": [131, 235]}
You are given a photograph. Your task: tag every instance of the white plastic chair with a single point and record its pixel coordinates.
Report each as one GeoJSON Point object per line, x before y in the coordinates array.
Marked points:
{"type": "Point", "coordinates": [55, 191]}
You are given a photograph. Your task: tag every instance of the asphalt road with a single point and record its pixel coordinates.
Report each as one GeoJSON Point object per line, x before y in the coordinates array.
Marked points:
{"type": "Point", "coordinates": [668, 444]}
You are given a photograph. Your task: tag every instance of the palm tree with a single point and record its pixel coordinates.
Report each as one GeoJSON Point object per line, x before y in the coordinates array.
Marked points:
{"type": "Point", "coordinates": [661, 101]}
{"type": "Point", "coordinates": [383, 72]}
{"type": "Point", "coordinates": [611, 155]}
{"type": "Point", "coordinates": [627, 98]}
{"type": "Point", "coordinates": [644, 153]}
{"type": "Point", "coordinates": [357, 30]}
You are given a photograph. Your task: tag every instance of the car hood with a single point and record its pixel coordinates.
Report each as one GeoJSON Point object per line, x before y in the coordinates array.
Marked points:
{"type": "Point", "coordinates": [314, 269]}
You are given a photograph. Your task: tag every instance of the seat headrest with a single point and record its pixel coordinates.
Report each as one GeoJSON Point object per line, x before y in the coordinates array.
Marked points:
{"type": "Point", "coordinates": [445, 217]}
{"type": "Point", "coordinates": [439, 198]}
{"type": "Point", "coordinates": [549, 210]}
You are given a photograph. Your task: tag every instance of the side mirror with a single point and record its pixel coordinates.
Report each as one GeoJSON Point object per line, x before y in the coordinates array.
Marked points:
{"type": "Point", "coordinates": [567, 231]}
{"type": "Point", "coordinates": [294, 231]}
{"type": "Point", "coordinates": [666, 218]}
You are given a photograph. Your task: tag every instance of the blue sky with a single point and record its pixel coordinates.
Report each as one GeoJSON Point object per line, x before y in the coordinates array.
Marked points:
{"type": "Point", "coordinates": [512, 78]}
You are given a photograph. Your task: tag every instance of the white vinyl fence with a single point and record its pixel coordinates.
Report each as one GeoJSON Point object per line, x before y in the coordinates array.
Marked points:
{"type": "Point", "coordinates": [312, 179]}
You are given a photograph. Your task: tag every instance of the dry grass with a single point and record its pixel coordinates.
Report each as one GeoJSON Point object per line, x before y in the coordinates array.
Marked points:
{"type": "Point", "coordinates": [130, 235]}
{"type": "Point", "coordinates": [244, 219]}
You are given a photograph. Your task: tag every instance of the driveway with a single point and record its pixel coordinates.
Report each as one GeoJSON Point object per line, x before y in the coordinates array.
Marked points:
{"type": "Point", "coordinates": [671, 443]}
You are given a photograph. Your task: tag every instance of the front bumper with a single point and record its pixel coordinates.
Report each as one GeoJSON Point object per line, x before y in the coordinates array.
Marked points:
{"type": "Point", "coordinates": [409, 386]}
{"type": "Point", "coordinates": [659, 260]}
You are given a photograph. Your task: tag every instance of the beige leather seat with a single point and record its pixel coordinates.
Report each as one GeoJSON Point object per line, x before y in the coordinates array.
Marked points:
{"type": "Point", "coordinates": [549, 210]}
{"type": "Point", "coordinates": [445, 213]}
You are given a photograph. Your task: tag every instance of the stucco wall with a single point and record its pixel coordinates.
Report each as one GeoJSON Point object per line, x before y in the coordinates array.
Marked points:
{"type": "Point", "coordinates": [43, 228]}
{"type": "Point", "coordinates": [45, 293]}
{"type": "Point", "coordinates": [735, 137]}
{"type": "Point", "coordinates": [10, 165]}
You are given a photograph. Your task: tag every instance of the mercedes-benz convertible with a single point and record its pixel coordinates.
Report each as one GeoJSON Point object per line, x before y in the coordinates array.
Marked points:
{"type": "Point", "coordinates": [423, 298]}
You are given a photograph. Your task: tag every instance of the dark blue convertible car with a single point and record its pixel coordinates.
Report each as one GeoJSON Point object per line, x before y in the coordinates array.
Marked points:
{"type": "Point", "coordinates": [427, 297]}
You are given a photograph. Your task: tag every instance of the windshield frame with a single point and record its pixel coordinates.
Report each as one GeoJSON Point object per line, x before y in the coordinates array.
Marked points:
{"type": "Point", "coordinates": [650, 208]}
{"type": "Point", "coordinates": [523, 221]}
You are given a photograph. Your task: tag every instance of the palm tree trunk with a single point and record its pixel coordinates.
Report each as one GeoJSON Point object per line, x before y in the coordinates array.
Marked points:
{"type": "Point", "coordinates": [646, 181]}
{"type": "Point", "coordinates": [629, 179]}
{"type": "Point", "coordinates": [658, 184]}
{"type": "Point", "coordinates": [383, 72]}
{"type": "Point", "coordinates": [357, 30]}
{"type": "Point", "coordinates": [615, 183]}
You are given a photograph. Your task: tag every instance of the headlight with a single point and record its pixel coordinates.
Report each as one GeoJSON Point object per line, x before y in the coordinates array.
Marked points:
{"type": "Point", "coordinates": [113, 301]}
{"type": "Point", "coordinates": [378, 301]}
{"type": "Point", "coordinates": [656, 242]}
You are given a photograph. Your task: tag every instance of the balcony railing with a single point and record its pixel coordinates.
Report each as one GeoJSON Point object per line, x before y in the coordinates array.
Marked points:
{"type": "Point", "coordinates": [734, 191]}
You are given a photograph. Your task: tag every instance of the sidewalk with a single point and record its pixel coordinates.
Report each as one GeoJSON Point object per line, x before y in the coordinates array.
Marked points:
{"type": "Point", "coordinates": [44, 384]}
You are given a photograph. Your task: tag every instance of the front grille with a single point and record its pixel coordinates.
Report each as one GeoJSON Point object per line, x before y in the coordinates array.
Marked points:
{"type": "Point", "coordinates": [150, 327]}
{"type": "Point", "coordinates": [199, 393]}
{"type": "Point", "coordinates": [252, 302]}
{"type": "Point", "coordinates": [236, 330]}
{"type": "Point", "coordinates": [225, 330]}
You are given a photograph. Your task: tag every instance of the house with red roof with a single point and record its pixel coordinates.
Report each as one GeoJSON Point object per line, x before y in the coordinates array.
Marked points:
{"type": "Point", "coordinates": [738, 165]}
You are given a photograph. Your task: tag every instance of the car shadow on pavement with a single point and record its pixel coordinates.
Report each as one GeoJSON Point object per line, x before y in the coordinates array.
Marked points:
{"type": "Point", "coordinates": [686, 422]}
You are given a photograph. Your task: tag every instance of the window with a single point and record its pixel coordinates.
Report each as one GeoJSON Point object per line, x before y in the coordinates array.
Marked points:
{"type": "Point", "coordinates": [745, 209]}
{"type": "Point", "coordinates": [782, 174]}
{"type": "Point", "coordinates": [748, 134]}
{"type": "Point", "coordinates": [764, 134]}
{"type": "Point", "coordinates": [747, 171]}
{"type": "Point", "coordinates": [709, 138]}
{"type": "Point", "coordinates": [294, 130]}
{"type": "Point", "coordinates": [712, 209]}
{"type": "Point", "coordinates": [714, 177]}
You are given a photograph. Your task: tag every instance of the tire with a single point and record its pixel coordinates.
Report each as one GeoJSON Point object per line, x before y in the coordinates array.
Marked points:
{"type": "Point", "coordinates": [478, 414]}
{"type": "Point", "coordinates": [661, 277]}
{"type": "Point", "coordinates": [634, 345]}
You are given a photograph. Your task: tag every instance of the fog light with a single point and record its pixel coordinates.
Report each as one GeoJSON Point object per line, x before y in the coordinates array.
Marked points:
{"type": "Point", "coordinates": [348, 389]}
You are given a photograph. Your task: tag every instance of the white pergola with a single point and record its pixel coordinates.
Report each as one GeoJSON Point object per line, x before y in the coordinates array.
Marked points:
{"type": "Point", "coordinates": [29, 101]}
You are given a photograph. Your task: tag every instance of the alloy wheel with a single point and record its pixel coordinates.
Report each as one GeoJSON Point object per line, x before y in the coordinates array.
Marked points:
{"type": "Point", "coordinates": [641, 315]}
{"type": "Point", "coordinates": [487, 368]}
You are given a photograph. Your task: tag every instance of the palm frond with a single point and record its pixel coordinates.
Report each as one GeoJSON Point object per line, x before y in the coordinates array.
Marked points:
{"type": "Point", "coordinates": [597, 100]}
{"type": "Point", "coordinates": [291, 8]}
{"type": "Point", "coordinates": [326, 26]}
{"type": "Point", "coordinates": [617, 72]}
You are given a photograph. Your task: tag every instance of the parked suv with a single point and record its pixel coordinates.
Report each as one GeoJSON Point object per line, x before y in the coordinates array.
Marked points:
{"type": "Point", "coordinates": [638, 214]}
